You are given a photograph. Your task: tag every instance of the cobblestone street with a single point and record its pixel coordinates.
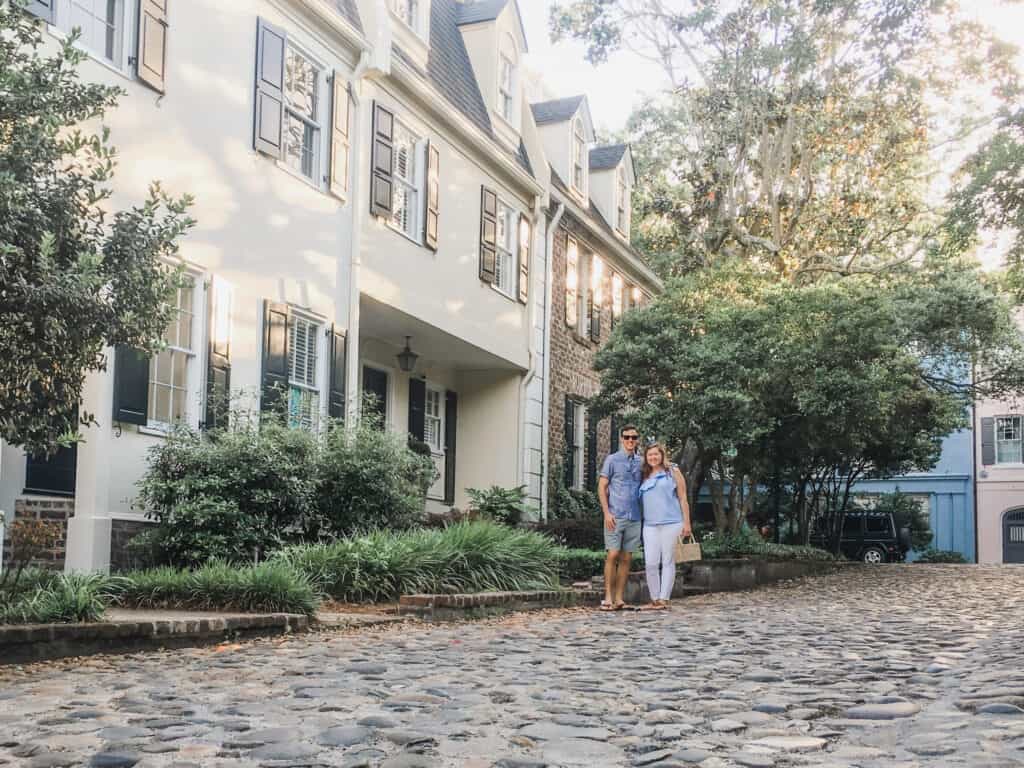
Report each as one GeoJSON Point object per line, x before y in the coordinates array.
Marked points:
{"type": "Point", "coordinates": [887, 666]}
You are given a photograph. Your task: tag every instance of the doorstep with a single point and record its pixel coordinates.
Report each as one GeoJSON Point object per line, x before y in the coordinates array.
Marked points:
{"type": "Point", "coordinates": [130, 630]}
{"type": "Point", "coordinates": [483, 604]}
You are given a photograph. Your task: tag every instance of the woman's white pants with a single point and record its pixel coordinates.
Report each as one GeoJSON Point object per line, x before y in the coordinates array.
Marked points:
{"type": "Point", "coordinates": [660, 558]}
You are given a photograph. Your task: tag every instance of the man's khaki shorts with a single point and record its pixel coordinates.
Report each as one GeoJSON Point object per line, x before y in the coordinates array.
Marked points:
{"type": "Point", "coordinates": [625, 537]}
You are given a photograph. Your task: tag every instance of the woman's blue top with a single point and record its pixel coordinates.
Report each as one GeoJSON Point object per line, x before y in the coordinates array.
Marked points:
{"type": "Point", "coordinates": [659, 500]}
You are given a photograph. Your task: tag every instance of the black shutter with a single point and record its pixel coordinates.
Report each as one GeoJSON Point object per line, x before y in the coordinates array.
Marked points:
{"type": "Point", "coordinates": [275, 356]}
{"type": "Point", "coordinates": [988, 441]}
{"type": "Point", "coordinates": [41, 8]}
{"type": "Point", "coordinates": [382, 183]}
{"type": "Point", "coordinates": [218, 385]}
{"type": "Point", "coordinates": [488, 234]}
{"type": "Point", "coordinates": [336, 398]}
{"type": "Point", "coordinates": [570, 437]}
{"type": "Point", "coordinates": [451, 414]}
{"type": "Point", "coordinates": [591, 451]}
{"type": "Point", "coordinates": [54, 476]}
{"type": "Point", "coordinates": [433, 198]}
{"type": "Point", "coordinates": [417, 408]}
{"type": "Point", "coordinates": [268, 122]}
{"type": "Point", "coordinates": [525, 239]}
{"type": "Point", "coordinates": [594, 313]}
{"type": "Point", "coordinates": [131, 385]}
{"type": "Point", "coordinates": [151, 58]}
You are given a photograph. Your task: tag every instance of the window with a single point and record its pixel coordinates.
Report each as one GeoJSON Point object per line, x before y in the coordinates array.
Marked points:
{"type": "Point", "coordinates": [102, 23]}
{"type": "Point", "coordinates": [579, 147]}
{"type": "Point", "coordinates": [579, 442]}
{"type": "Point", "coordinates": [617, 288]}
{"type": "Point", "coordinates": [303, 392]}
{"type": "Point", "coordinates": [169, 368]}
{"type": "Point", "coordinates": [877, 524]}
{"type": "Point", "coordinates": [302, 114]}
{"type": "Point", "coordinates": [622, 220]}
{"type": "Point", "coordinates": [572, 283]}
{"type": "Point", "coordinates": [851, 526]}
{"type": "Point", "coordinates": [1008, 440]}
{"type": "Point", "coordinates": [433, 427]}
{"type": "Point", "coordinates": [409, 12]}
{"type": "Point", "coordinates": [506, 69]}
{"type": "Point", "coordinates": [504, 264]}
{"type": "Point", "coordinates": [637, 297]}
{"type": "Point", "coordinates": [405, 205]}
{"type": "Point", "coordinates": [597, 282]}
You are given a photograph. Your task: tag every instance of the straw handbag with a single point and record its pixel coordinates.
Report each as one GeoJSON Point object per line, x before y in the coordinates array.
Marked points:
{"type": "Point", "coordinates": [687, 549]}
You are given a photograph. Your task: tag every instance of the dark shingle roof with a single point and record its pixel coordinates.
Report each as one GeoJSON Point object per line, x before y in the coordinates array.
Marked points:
{"type": "Point", "coordinates": [524, 159]}
{"type": "Point", "coordinates": [481, 10]}
{"type": "Point", "coordinates": [556, 111]}
{"type": "Point", "coordinates": [605, 158]}
{"type": "Point", "coordinates": [350, 12]}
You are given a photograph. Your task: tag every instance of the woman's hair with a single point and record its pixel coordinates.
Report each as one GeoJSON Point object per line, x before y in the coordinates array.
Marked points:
{"type": "Point", "coordinates": [646, 469]}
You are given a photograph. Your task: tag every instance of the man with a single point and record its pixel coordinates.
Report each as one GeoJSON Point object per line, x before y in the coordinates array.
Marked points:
{"type": "Point", "coordinates": [618, 489]}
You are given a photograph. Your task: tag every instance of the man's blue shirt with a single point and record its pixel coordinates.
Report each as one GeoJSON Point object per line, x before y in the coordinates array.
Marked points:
{"type": "Point", "coordinates": [623, 472]}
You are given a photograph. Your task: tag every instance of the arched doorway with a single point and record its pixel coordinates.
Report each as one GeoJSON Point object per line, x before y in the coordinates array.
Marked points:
{"type": "Point", "coordinates": [1013, 536]}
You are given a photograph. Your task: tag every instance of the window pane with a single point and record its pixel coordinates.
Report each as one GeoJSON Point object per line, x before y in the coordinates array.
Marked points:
{"type": "Point", "coordinates": [878, 525]}
{"type": "Point", "coordinates": [302, 352]}
{"type": "Point", "coordinates": [851, 526]}
{"type": "Point", "coordinates": [300, 79]}
{"type": "Point", "coordinates": [179, 363]}
{"type": "Point", "coordinates": [178, 405]}
{"type": "Point", "coordinates": [300, 145]}
{"type": "Point", "coordinates": [162, 409]}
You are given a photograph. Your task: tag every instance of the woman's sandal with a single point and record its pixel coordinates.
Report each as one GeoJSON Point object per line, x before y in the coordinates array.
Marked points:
{"type": "Point", "coordinates": [607, 606]}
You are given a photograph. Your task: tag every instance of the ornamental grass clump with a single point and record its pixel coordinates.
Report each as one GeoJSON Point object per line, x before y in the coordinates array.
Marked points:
{"type": "Point", "coordinates": [63, 599]}
{"type": "Point", "coordinates": [463, 558]}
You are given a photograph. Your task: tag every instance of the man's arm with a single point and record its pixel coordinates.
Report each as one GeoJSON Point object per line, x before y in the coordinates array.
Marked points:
{"type": "Point", "coordinates": [602, 495]}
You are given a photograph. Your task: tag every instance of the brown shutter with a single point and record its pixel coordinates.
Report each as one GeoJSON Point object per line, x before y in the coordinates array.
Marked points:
{"type": "Point", "coordinates": [488, 234]}
{"type": "Point", "coordinates": [151, 60]}
{"type": "Point", "coordinates": [336, 397]}
{"type": "Point", "coordinates": [268, 122]}
{"type": "Point", "coordinates": [524, 256]}
{"type": "Point", "coordinates": [275, 356]}
{"type": "Point", "coordinates": [340, 115]}
{"type": "Point", "coordinates": [382, 183]}
{"type": "Point", "coordinates": [433, 196]}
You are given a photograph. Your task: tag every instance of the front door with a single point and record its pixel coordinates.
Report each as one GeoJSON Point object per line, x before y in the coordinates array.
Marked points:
{"type": "Point", "coordinates": [1013, 536]}
{"type": "Point", "coordinates": [375, 384]}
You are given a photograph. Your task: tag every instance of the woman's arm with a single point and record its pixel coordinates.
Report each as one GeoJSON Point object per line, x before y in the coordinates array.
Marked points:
{"type": "Point", "coordinates": [684, 500]}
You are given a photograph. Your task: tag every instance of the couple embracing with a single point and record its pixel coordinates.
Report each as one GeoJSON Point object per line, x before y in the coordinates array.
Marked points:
{"type": "Point", "coordinates": [641, 492]}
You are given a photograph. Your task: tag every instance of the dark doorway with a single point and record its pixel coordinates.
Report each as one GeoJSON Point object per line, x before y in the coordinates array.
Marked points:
{"type": "Point", "coordinates": [1013, 536]}
{"type": "Point", "coordinates": [375, 383]}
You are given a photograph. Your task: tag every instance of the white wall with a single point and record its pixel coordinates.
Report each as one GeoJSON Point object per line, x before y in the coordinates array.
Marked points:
{"type": "Point", "coordinates": [602, 192]}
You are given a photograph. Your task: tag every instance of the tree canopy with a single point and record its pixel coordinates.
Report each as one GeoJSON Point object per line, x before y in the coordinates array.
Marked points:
{"type": "Point", "coordinates": [74, 277]}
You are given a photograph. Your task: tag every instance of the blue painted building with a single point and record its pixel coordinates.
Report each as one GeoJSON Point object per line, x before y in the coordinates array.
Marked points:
{"type": "Point", "coordinates": [948, 489]}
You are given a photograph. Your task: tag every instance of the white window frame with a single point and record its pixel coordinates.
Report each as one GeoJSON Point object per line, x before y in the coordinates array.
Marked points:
{"type": "Point", "coordinates": [618, 289]}
{"type": "Point", "coordinates": [439, 419]}
{"type": "Point", "coordinates": [1020, 439]}
{"type": "Point", "coordinates": [319, 350]}
{"type": "Point", "coordinates": [321, 105]}
{"type": "Point", "coordinates": [579, 156]}
{"type": "Point", "coordinates": [510, 272]}
{"type": "Point", "coordinates": [121, 62]}
{"type": "Point", "coordinates": [622, 212]}
{"type": "Point", "coordinates": [579, 446]}
{"type": "Point", "coordinates": [573, 281]}
{"type": "Point", "coordinates": [418, 185]}
{"type": "Point", "coordinates": [507, 55]}
{"type": "Point", "coordinates": [193, 374]}
{"type": "Point", "coordinates": [420, 22]}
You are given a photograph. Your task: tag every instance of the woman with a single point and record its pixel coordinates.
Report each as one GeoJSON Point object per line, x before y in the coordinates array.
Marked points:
{"type": "Point", "coordinates": [666, 517]}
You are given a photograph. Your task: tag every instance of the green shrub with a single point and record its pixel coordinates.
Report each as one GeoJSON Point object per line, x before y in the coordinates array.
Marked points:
{"type": "Point", "coordinates": [270, 587]}
{"type": "Point", "coordinates": [574, 534]}
{"type": "Point", "coordinates": [369, 478]}
{"type": "Point", "coordinates": [465, 557]}
{"type": "Point", "coordinates": [930, 555]}
{"type": "Point", "coordinates": [62, 599]}
{"type": "Point", "coordinates": [907, 513]}
{"type": "Point", "coordinates": [580, 564]}
{"type": "Point", "coordinates": [502, 505]}
{"type": "Point", "coordinates": [748, 544]}
{"type": "Point", "coordinates": [232, 492]}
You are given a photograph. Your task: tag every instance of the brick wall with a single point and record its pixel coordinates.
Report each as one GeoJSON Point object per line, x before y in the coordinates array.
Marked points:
{"type": "Point", "coordinates": [50, 509]}
{"type": "Point", "coordinates": [122, 532]}
{"type": "Point", "coordinates": [572, 351]}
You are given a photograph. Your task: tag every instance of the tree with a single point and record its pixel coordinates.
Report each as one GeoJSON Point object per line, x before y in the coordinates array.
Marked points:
{"type": "Point", "coordinates": [754, 382]}
{"type": "Point", "coordinates": [797, 134]}
{"type": "Point", "coordinates": [73, 277]}
{"type": "Point", "coordinates": [907, 513]}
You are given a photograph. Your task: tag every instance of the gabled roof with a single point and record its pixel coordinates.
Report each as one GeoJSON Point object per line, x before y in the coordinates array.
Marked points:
{"type": "Point", "coordinates": [556, 111]}
{"type": "Point", "coordinates": [608, 157]}
{"type": "Point", "coordinates": [350, 12]}
{"type": "Point", "coordinates": [477, 11]}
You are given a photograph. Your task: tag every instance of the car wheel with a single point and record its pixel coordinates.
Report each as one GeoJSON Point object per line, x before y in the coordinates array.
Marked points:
{"type": "Point", "coordinates": [873, 555]}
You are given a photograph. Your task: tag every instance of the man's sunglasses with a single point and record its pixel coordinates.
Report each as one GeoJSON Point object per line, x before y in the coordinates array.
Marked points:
{"type": "Point", "coordinates": [631, 437]}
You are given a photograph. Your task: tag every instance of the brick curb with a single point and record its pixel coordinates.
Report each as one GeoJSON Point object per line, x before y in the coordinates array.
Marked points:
{"type": "Point", "coordinates": [39, 642]}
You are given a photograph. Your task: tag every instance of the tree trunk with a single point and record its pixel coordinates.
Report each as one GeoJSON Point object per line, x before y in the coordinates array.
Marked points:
{"type": "Point", "coordinates": [715, 483]}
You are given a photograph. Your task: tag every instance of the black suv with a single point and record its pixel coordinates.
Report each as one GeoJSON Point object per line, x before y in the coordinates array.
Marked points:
{"type": "Point", "coordinates": [872, 538]}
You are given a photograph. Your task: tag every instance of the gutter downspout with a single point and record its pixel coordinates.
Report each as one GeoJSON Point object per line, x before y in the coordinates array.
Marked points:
{"type": "Point", "coordinates": [974, 460]}
{"type": "Point", "coordinates": [352, 398]}
{"type": "Point", "coordinates": [549, 268]}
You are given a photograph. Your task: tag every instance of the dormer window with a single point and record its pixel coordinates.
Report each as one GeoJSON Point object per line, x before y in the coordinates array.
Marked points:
{"type": "Point", "coordinates": [507, 59]}
{"type": "Point", "coordinates": [409, 12]}
{"type": "Point", "coordinates": [579, 152]}
{"type": "Point", "coordinates": [622, 198]}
